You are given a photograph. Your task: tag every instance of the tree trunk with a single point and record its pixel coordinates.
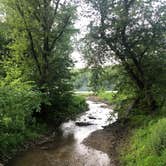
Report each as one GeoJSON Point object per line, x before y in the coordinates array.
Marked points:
{"type": "Point", "coordinates": [151, 102]}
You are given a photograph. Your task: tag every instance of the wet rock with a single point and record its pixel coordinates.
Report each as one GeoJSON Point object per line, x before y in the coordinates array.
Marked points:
{"type": "Point", "coordinates": [91, 117]}
{"type": "Point", "coordinates": [83, 123]}
{"type": "Point", "coordinates": [42, 148]}
{"type": "Point", "coordinates": [46, 140]}
{"type": "Point", "coordinates": [104, 106]}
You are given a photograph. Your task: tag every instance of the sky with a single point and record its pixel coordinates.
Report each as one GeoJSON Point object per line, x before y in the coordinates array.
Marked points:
{"type": "Point", "coordinates": [81, 24]}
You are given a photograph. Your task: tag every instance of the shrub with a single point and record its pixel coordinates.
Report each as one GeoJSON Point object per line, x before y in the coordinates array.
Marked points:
{"type": "Point", "coordinates": [18, 100]}
{"type": "Point", "coordinates": [78, 104]}
{"type": "Point", "coordinates": [67, 109]}
{"type": "Point", "coordinates": [158, 137]}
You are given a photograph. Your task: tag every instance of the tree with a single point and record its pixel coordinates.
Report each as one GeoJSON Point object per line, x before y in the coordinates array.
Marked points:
{"type": "Point", "coordinates": [40, 26]}
{"type": "Point", "coordinates": [133, 32]}
{"type": "Point", "coordinates": [41, 32]}
{"type": "Point", "coordinates": [4, 50]}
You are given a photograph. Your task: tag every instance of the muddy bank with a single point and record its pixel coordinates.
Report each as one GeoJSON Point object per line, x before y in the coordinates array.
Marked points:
{"type": "Point", "coordinates": [109, 140]}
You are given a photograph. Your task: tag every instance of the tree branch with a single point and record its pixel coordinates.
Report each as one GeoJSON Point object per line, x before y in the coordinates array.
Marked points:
{"type": "Point", "coordinates": [60, 33]}
{"type": "Point", "coordinates": [30, 36]}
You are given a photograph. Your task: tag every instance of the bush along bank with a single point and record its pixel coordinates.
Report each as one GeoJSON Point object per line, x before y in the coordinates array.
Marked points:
{"type": "Point", "coordinates": [19, 126]}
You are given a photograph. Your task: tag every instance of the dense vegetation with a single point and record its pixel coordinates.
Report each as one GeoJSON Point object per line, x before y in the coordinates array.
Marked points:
{"type": "Point", "coordinates": [132, 33]}
{"type": "Point", "coordinates": [124, 50]}
{"type": "Point", "coordinates": [144, 143]}
{"type": "Point", "coordinates": [35, 70]}
{"type": "Point", "coordinates": [147, 146]}
{"type": "Point", "coordinates": [85, 79]}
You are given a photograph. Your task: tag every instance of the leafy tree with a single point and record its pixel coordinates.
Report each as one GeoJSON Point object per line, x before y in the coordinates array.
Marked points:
{"type": "Point", "coordinates": [42, 34]}
{"type": "Point", "coordinates": [96, 81]}
{"type": "Point", "coordinates": [41, 44]}
{"type": "Point", "coordinates": [81, 79]}
{"type": "Point", "coordinates": [35, 69]}
{"type": "Point", "coordinates": [133, 32]}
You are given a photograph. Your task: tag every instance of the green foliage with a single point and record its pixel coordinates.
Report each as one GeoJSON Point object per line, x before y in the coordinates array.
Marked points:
{"type": "Point", "coordinates": [132, 33]}
{"type": "Point", "coordinates": [35, 68]}
{"type": "Point", "coordinates": [108, 96]}
{"type": "Point", "coordinates": [73, 106]}
{"type": "Point", "coordinates": [41, 42]}
{"type": "Point", "coordinates": [95, 79]}
{"type": "Point", "coordinates": [81, 80]}
{"type": "Point", "coordinates": [158, 137]}
{"type": "Point", "coordinates": [18, 101]}
{"type": "Point", "coordinates": [120, 101]}
{"type": "Point", "coordinates": [78, 105]}
{"type": "Point", "coordinates": [147, 145]}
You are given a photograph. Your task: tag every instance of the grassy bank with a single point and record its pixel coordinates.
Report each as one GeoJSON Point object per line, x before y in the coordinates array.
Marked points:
{"type": "Point", "coordinates": [145, 142]}
{"type": "Point", "coordinates": [112, 97]}
{"type": "Point", "coordinates": [146, 145]}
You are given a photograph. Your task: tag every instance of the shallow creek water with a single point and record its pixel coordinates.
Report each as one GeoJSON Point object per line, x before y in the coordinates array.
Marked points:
{"type": "Point", "coordinates": [68, 149]}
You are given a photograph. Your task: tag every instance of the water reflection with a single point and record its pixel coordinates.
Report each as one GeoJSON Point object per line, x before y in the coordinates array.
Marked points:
{"type": "Point", "coordinates": [67, 149]}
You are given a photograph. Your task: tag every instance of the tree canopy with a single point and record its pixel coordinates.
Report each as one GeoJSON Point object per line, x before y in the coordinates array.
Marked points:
{"type": "Point", "coordinates": [133, 33]}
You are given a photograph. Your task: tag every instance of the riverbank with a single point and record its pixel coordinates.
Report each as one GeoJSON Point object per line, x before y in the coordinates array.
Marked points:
{"type": "Point", "coordinates": [122, 141]}
{"type": "Point", "coordinates": [39, 133]}
{"type": "Point", "coordinates": [139, 140]}
{"type": "Point", "coordinates": [109, 140]}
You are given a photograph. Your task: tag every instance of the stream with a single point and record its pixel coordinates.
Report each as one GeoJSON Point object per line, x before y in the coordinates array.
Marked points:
{"type": "Point", "coordinates": [68, 149]}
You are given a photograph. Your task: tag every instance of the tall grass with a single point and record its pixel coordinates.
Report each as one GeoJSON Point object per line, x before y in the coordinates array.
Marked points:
{"type": "Point", "coordinates": [147, 146]}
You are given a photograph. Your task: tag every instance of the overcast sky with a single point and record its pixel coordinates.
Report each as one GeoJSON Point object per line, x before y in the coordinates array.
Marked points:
{"type": "Point", "coordinates": [81, 24]}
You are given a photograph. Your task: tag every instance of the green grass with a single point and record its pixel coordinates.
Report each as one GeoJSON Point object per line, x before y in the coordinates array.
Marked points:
{"type": "Point", "coordinates": [147, 146]}
{"type": "Point", "coordinates": [112, 97]}
{"type": "Point", "coordinates": [84, 94]}
{"type": "Point", "coordinates": [108, 96]}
